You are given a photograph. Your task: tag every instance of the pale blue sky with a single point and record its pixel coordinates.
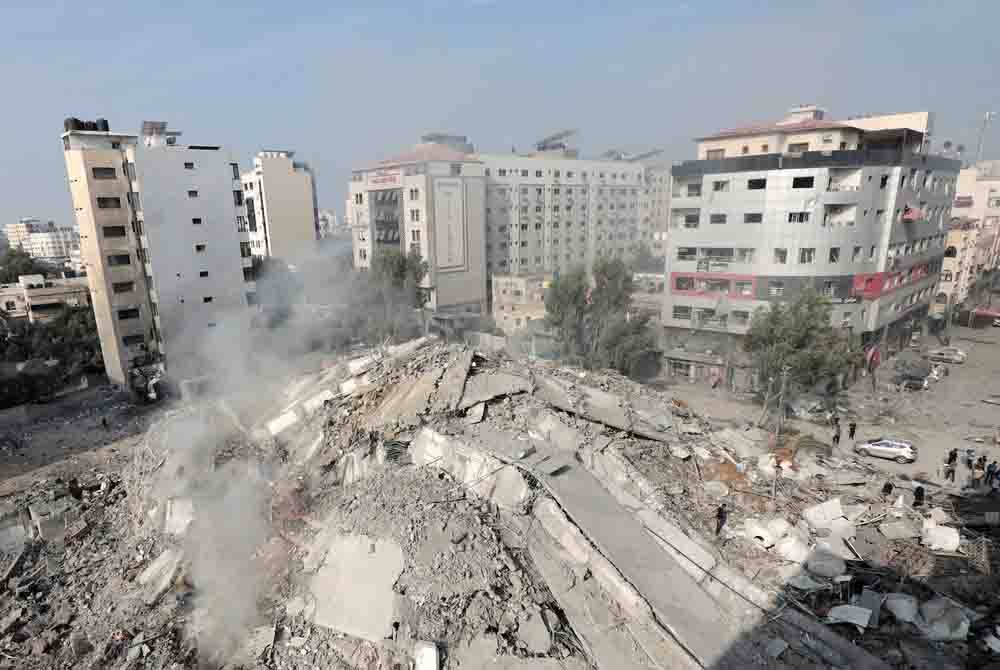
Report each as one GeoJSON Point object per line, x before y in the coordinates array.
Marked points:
{"type": "Point", "coordinates": [346, 83]}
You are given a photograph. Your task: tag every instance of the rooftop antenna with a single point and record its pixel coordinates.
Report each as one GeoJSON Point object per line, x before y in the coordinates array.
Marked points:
{"type": "Point", "coordinates": [554, 141]}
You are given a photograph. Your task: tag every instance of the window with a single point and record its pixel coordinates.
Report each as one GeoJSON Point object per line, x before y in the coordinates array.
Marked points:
{"type": "Point", "coordinates": [414, 194]}
{"type": "Point", "coordinates": [715, 154]}
{"type": "Point", "coordinates": [830, 288]}
{"type": "Point", "coordinates": [856, 256]}
{"type": "Point", "coordinates": [203, 273]}
{"type": "Point", "coordinates": [687, 253]}
{"type": "Point", "coordinates": [10, 306]}
{"type": "Point", "coordinates": [884, 181]}
{"type": "Point", "coordinates": [744, 288]}
{"type": "Point", "coordinates": [682, 312]}
{"type": "Point", "coordinates": [716, 218]}
{"type": "Point", "coordinates": [756, 184]}
{"type": "Point", "coordinates": [764, 148]}
{"type": "Point", "coordinates": [123, 286]}
{"type": "Point", "coordinates": [456, 169]}
{"type": "Point", "coordinates": [199, 248]}
{"type": "Point", "coordinates": [798, 217]}
{"type": "Point", "coordinates": [133, 340]}
{"type": "Point", "coordinates": [744, 255]}
{"type": "Point", "coordinates": [776, 288]}
{"type": "Point", "coordinates": [207, 298]}
{"type": "Point", "coordinates": [116, 145]}
{"type": "Point", "coordinates": [834, 254]}
{"type": "Point", "coordinates": [753, 217]}
{"type": "Point", "coordinates": [501, 172]}
{"type": "Point", "coordinates": [415, 215]}
{"type": "Point", "coordinates": [132, 313]}
{"type": "Point", "coordinates": [236, 170]}
{"type": "Point", "coordinates": [871, 253]}
{"type": "Point", "coordinates": [538, 174]}
{"type": "Point", "coordinates": [192, 194]}
{"type": "Point", "coordinates": [114, 231]}
{"type": "Point", "coordinates": [694, 190]}
{"type": "Point", "coordinates": [807, 255]}
{"type": "Point", "coordinates": [720, 186]}
{"type": "Point", "coordinates": [109, 203]}
{"type": "Point", "coordinates": [802, 182]}
{"type": "Point", "coordinates": [781, 256]}
{"type": "Point", "coordinates": [190, 166]}
{"type": "Point", "coordinates": [555, 173]}
{"type": "Point", "coordinates": [745, 149]}
{"type": "Point", "coordinates": [119, 259]}
{"type": "Point", "coordinates": [103, 173]}
{"type": "Point", "coordinates": [359, 198]}
{"type": "Point", "coordinates": [684, 284]}
{"type": "Point", "coordinates": [238, 198]}
{"type": "Point", "coordinates": [197, 220]}
{"type": "Point", "coordinates": [524, 173]}
{"type": "Point", "coordinates": [798, 147]}
{"type": "Point", "coordinates": [690, 220]}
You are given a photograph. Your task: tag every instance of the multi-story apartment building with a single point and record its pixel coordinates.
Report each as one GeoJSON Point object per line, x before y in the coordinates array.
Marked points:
{"type": "Point", "coordinates": [856, 209]}
{"type": "Point", "coordinates": [159, 235]}
{"type": "Point", "coordinates": [550, 211]}
{"type": "Point", "coordinates": [38, 299]}
{"type": "Point", "coordinates": [959, 266]}
{"type": "Point", "coordinates": [518, 300]}
{"type": "Point", "coordinates": [44, 241]}
{"type": "Point", "coordinates": [978, 197]}
{"type": "Point", "coordinates": [282, 214]}
{"type": "Point", "coordinates": [431, 201]}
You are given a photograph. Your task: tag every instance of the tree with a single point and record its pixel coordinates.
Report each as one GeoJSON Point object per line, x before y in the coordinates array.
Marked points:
{"type": "Point", "coordinates": [402, 272]}
{"type": "Point", "coordinates": [798, 336]}
{"type": "Point", "coordinates": [592, 319]}
{"type": "Point", "coordinates": [15, 263]}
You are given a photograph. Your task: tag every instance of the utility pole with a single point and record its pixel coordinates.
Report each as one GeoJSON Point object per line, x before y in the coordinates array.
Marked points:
{"type": "Point", "coordinates": [987, 119]}
{"type": "Point", "coordinates": [781, 403]}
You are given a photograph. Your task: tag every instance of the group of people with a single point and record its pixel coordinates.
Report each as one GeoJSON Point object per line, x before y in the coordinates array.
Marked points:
{"type": "Point", "coordinates": [852, 428]}
{"type": "Point", "coordinates": [982, 473]}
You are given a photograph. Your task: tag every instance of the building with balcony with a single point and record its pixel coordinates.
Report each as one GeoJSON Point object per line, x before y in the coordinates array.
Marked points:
{"type": "Point", "coordinates": [37, 299]}
{"type": "Point", "coordinates": [977, 197]}
{"type": "Point", "coordinates": [282, 214]}
{"type": "Point", "coordinates": [857, 210]}
{"type": "Point", "coordinates": [160, 238]}
{"type": "Point", "coordinates": [430, 201]}
{"type": "Point", "coordinates": [44, 242]}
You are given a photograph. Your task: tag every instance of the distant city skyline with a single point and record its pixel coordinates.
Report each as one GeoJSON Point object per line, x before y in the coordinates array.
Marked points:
{"type": "Point", "coordinates": [343, 84]}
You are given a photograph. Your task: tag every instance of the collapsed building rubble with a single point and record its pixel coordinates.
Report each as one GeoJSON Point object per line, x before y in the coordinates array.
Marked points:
{"type": "Point", "coordinates": [426, 506]}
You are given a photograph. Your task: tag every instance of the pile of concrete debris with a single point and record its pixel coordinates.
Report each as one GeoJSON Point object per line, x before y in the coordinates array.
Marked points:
{"type": "Point", "coordinates": [427, 506]}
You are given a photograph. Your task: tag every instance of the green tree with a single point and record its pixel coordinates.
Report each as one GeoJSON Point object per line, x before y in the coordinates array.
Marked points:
{"type": "Point", "coordinates": [798, 335]}
{"type": "Point", "coordinates": [14, 263]}
{"type": "Point", "coordinates": [593, 320]}
{"type": "Point", "coordinates": [403, 273]}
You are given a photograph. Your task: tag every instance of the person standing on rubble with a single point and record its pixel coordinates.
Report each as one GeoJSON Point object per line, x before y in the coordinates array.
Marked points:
{"type": "Point", "coordinates": [852, 428]}
{"type": "Point", "coordinates": [721, 515]}
{"type": "Point", "coordinates": [952, 457]}
{"type": "Point", "coordinates": [991, 473]}
{"type": "Point", "coordinates": [836, 434]}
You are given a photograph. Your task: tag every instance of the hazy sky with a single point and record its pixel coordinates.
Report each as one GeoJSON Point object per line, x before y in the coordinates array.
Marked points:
{"type": "Point", "coordinates": [343, 84]}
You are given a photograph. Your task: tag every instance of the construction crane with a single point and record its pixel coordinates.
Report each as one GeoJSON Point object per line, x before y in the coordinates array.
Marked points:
{"type": "Point", "coordinates": [554, 141]}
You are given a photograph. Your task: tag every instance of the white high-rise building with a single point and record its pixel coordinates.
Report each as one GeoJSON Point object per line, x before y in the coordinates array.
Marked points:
{"type": "Point", "coordinates": [44, 241]}
{"type": "Point", "coordinates": [282, 215]}
{"type": "Point", "coordinates": [159, 226]}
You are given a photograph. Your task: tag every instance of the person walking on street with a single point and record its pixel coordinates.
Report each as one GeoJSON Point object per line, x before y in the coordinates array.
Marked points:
{"type": "Point", "coordinates": [949, 472]}
{"type": "Point", "coordinates": [952, 457]}
{"type": "Point", "coordinates": [721, 515]}
{"type": "Point", "coordinates": [836, 436]}
{"type": "Point", "coordinates": [852, 428]}
{"type": "Point", "coordinates": [991, 473]}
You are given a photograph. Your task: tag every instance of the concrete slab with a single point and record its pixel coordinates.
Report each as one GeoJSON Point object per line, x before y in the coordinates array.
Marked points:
{"type": "Point", "coordinates": [859, 616]}
{"type": "Point", "coordinates": [316, 402]}
{"type": "Point", "coordinates": [546, 426]}
{"type": "Point", "coordinates": [179, 515]}
{"type": "Point", "coordinates": [872, 600]}
{"type": "Point", "coordinates": [425, 656]}
{"type": "Point", "coordinates": [353, 586]}
{"type": "Point", "coordinates": [452, 385]}
{"type": "Point", "coordinates": [823, 514]}
{"type": "Point", "coordinates": [407, 401]}
{"type": "Point", "coordinates": [476, 413]}
{"type": "Point", "coordinates": [159, 575]}
{"type": "Point", "coordinates": [898, 530]}
{"type": "Point", "coordinates": [488, 386]}
{"type": "Point", "coordinates": [596, 405]}
{"type": "Point", "coordinates": [282, 423]}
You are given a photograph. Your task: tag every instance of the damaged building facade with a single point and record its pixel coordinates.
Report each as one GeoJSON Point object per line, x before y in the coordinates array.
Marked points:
{"type": "Point", "coordinates": [282, 213]}
{"type": "Point", "coordinates": [162, 228]}
{"type": "Point", "coordinates": [856, 209]}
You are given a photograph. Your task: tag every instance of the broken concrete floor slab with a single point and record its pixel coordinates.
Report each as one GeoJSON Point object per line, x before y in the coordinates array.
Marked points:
{"type": "Point", "coordinates": [353, 586]}
{"type": "Point", "coordinates": [596, 405]}
{"type": "Point", "coordinates": [452, 384]}
{"type": "Point", "coordinates": [159, 575]}
{"type": "Point", "coordinates": [487, 386]}
{"type": "Point", "coordinates": [406, 402]}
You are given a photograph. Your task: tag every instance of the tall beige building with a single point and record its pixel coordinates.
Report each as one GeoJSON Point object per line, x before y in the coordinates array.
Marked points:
{"type": "Point", "coordinates": [430, 201]}
{"type": "Point", "coordinates": [282, 215]}
{"type": "Point", "coordinates": [159, 226]}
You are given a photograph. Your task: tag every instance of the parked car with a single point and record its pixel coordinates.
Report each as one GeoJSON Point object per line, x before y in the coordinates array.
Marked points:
{"type": "Point", "coordinates": [996, 323]}
{"type": "Point", "coordinates": [894, 450]}
{"type": "Point", "coordinates": [946, 355]}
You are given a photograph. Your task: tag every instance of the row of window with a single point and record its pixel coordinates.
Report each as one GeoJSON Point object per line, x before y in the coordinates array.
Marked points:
{"type": "Point", "coordinates": [557, 174]}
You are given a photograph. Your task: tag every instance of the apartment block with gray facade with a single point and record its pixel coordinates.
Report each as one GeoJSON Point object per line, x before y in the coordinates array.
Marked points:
{"type": "Point", "coordinates": [857, 210]}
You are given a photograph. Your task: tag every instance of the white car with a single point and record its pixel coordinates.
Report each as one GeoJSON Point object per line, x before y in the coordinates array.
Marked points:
{"type": "Point", "coordinates": [947, 355]}
{"type": "Point", "coordinates": [894, 450]}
